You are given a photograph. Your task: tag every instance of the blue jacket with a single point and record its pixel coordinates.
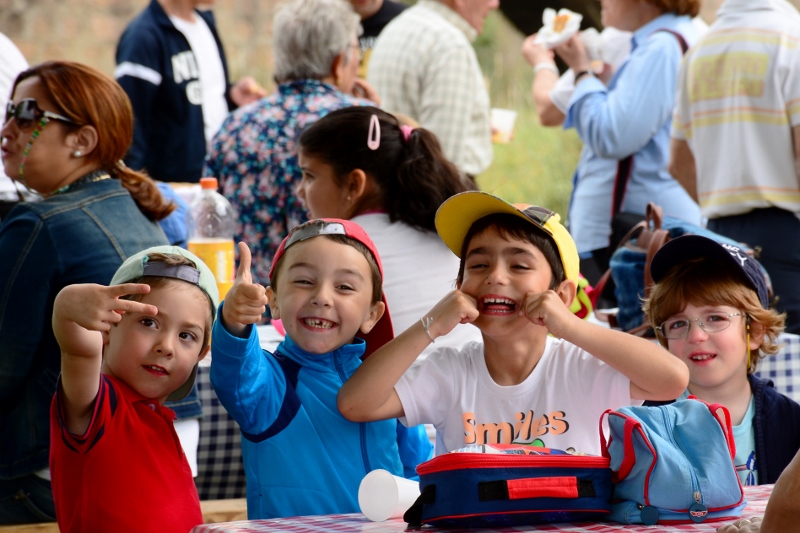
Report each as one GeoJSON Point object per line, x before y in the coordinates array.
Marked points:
{"type": "Point", "coordinates": [158, 70]}
{"type": "Point", "coordinates": [301, 456]}
{"type": "Point", "coordinates": [79, 237]}
{"type": "Point", "coordinates": [777, 429]}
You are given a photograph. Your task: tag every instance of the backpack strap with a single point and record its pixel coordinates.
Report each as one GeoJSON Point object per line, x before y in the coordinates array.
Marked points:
{"type": "Point", "coordinates": [681, 41]}
{"type": "Point", "coordinates": [600, 286]}
{"type": "Point", "coordinates": [625, 166]}
{"type": "Point", "coordinates": [291, 401]}
{"type": "Point", "coordinates": [654, 240]}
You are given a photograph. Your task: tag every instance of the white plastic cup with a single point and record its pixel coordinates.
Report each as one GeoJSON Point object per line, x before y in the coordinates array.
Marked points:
{"type": "Point", "coordinates": [502, 121]}
{"type": "Point", "coordinates": [383, 496]}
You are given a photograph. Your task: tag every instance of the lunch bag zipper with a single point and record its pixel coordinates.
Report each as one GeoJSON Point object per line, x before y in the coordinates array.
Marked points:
{"type": "Point", "coordinates": [696, 492]}
{"type": "Point", "coordinates": [455, 461]}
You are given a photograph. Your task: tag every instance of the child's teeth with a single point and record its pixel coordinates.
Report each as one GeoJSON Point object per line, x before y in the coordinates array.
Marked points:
{"type": "Point", "coordinates": [324, 324]}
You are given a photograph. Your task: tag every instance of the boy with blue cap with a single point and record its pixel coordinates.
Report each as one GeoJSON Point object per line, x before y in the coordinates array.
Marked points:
{"type": "Point", "coordinates": [710, 308]}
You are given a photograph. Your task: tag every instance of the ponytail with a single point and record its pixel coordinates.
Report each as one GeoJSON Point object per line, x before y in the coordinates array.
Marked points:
{"type": "Point", "coordinates": [425, 179]}
{"type": "Point", "coordinates": [144, 191]}
{"type": "Point", "coordinates": [409, 169]}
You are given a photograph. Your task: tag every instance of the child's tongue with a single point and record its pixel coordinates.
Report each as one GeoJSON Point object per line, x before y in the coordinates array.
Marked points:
{"type": "Point", "coordinates": [498, 306]}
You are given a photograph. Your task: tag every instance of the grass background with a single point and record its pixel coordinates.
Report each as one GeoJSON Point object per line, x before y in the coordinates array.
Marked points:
{"type": "Point", "coordinates": [537, 166]}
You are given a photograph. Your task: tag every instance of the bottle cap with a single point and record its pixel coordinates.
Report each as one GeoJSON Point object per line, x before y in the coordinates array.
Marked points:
{"type": "Point", "coordinates": [208, 183]}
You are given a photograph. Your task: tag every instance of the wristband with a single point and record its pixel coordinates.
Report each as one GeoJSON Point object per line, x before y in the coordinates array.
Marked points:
{"type": "Point", "coordinates": [426, 322]}
{"type": "Point", "coordinates": [583, 73]}
{"type": "Point", "coordinates": [546, 66]}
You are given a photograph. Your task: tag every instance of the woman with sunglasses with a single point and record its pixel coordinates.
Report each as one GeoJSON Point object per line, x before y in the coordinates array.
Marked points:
{"type": "Point", "coordinates": [66, 130]}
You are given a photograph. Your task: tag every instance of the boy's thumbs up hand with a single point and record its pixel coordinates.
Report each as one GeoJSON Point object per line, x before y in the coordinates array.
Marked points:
{"type": "Point", "coordinates": [246, 301]}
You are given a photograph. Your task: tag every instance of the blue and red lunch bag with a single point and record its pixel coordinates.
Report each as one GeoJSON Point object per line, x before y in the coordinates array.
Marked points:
{"type": "Point", "coordinates": [507, 484]}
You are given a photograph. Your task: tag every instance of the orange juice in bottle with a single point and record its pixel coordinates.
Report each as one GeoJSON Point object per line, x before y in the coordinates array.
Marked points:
{"type": "Point", "coordinates": [211, 227]}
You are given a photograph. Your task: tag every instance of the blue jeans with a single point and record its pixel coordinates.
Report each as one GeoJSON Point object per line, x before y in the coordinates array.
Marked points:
{"type": "Point", "coordinates": [26, 500]}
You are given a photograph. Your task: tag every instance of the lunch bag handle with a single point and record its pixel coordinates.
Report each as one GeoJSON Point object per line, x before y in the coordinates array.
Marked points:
{"type": "Point", "coordinates": [718, 411]}
{"type": "Point", "coordinates": [413, 516]}
{"type": "Point", "coordinates": [629, 453]}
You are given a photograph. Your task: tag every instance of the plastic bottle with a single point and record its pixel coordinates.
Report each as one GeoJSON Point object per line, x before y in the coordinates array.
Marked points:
{"type": "Point", "coordinates": [211, 226]}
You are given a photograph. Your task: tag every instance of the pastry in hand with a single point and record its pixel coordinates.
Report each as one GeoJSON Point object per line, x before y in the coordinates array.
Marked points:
{"type": "Point", "coordinates": [558, 27]}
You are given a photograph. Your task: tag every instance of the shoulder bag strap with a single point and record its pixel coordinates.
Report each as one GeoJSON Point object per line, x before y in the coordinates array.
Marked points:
{"type": "Point", "coordinates": [624, 166]}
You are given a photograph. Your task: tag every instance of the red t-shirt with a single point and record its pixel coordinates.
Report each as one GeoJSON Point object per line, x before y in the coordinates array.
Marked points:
{"type": "Point", "coordinates": [127, 473]}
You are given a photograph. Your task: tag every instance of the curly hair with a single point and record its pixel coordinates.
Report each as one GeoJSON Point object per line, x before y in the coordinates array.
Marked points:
{"type": "Point", "coordinates": [703, 282]}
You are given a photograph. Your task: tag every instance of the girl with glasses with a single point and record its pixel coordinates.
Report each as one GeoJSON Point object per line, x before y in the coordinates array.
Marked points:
{"type": "Point", "coordinates": [711, 306]}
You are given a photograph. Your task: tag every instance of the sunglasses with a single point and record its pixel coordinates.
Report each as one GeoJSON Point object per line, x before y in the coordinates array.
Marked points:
{"type": "Point", "coordinates": [28, 112]}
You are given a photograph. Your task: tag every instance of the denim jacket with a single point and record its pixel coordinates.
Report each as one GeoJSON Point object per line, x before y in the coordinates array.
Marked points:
{"type": "Point", "coordinates": [77, 237]}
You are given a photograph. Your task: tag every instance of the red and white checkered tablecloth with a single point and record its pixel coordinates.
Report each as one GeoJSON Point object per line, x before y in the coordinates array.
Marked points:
{"type": "Point", "coordinates": [356, 523]}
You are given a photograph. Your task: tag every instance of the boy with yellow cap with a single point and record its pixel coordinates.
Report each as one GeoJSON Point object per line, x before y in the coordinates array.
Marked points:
{"type": "Point", "coordinates": [542, 375]}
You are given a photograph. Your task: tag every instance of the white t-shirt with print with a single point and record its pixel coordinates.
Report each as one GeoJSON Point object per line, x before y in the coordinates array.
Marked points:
{"type": "Point", "coordinates": [557, 406]}
{"type": "Point", "coordinates": [212, 75]}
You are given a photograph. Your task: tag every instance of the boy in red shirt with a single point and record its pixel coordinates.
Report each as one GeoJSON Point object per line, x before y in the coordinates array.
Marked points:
{"type": "Point", "coordinates": [116, 462]}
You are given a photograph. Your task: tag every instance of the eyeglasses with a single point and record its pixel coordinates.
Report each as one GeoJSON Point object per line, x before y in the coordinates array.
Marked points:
{"type": "Point", "coordinates": [678, 328]}
{"type": "Point", "coordinates": [314, 228]}
{"type": "Point", "coordinates": [28, 112]}
{"type": "Point", "coordinates": [356, 47]}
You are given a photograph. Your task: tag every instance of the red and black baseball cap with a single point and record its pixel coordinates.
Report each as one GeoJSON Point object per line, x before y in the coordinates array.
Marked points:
{"type": "Point", "coordinates": [382, 332]}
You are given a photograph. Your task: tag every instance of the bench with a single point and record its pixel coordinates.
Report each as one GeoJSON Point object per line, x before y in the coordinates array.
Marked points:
{"type": "Point", "coordinates": [213, 511]}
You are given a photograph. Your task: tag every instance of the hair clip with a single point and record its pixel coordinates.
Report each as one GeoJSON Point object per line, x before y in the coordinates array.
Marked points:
{"type": "Point", "coordinates": [406, 131]}
{"type": "Point", "coordinates": [374, 135]}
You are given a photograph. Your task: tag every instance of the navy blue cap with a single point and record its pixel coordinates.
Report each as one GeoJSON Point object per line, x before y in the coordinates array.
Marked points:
{"type": "Point", "coordinates": [689, 247]}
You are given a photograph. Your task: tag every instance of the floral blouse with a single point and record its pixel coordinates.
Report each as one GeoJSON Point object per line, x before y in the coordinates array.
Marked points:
{"type": "Point", "coordinates": [254, 157]}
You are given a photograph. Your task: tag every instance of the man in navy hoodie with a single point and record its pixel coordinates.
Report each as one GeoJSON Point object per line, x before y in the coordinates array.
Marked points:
{"type": "Point", "coordinates": [171, 63]}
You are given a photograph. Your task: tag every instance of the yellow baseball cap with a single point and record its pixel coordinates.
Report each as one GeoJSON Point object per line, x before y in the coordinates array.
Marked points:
{"type": "Point", "coordinates": [457, 214]}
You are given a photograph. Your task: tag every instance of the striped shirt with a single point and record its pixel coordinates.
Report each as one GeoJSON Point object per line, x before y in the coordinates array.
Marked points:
{"type": "Point", "coordinates": [738, 100]}
{"type": "Point", "coordinates": [423, 66]}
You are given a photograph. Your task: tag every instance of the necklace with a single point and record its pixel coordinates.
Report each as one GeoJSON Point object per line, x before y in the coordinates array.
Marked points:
{"type": "Point", "coordinates": [91, 177]}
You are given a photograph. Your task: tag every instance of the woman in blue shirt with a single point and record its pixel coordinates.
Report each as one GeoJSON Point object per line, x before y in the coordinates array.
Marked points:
{"type": "Point", "coordinates": [628, 123]}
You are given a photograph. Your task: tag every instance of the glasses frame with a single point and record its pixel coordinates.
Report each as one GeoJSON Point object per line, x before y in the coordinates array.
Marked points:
{"type": "Point", "coordinates": [12, 111]}
{"type": "Point", "coordinates": [661, 328]}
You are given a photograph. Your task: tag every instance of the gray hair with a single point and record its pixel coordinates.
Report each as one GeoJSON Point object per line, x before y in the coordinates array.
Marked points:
{"type": "Point", "coordinates": [309, 34]}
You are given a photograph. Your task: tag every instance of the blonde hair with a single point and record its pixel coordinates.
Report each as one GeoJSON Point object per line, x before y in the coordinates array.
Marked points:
{"type": "Point", "coordinates": [703, 282]}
